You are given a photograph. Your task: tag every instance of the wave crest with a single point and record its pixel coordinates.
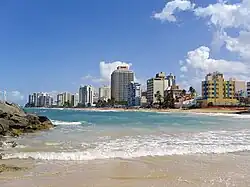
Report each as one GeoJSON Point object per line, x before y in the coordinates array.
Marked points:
{"type": "Point", "coordinates": [57, 122]}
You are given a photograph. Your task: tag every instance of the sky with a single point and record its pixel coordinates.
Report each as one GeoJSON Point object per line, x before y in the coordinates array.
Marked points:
{"type": "Point", "coordinates": [58, 45]}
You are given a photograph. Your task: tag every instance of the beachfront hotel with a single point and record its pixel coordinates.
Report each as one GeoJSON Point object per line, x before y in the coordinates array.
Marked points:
{"type": "Point", "coordinates": [160, 83]}
{"type": "Point", "coordinates": [120, 79]}
{"type": "Point", "coordinates": [64, 98]}
{"type": "Point", "coordinates": [218, 91]}
{"type": "Point", "coordinates": [104, 93]}
{"type": "Point", "coordinates": [75, 99]}
{"type": "Point", "coordinates": [134, 94]}
{"type": "Point", "coordinates": [86, 95]}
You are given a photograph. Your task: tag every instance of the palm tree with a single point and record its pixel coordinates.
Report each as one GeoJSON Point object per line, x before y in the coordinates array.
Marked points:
{"type": "Point", "coordinates": [169, 100]}
{"type": "Point", "coordinates": [159, 97]}
{"type": "Point", "coordinates": [192, 91]}
{"type": "Point", "coordinates": [183, 92]}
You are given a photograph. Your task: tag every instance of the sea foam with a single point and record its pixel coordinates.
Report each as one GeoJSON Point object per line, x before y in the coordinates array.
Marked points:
{"type": "Point", "coordinates": [210, 142]}
{"type": "Point", "coordinates": [57, 122]}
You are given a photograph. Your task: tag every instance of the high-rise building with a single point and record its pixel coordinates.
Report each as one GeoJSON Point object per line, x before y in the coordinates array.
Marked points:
{"type": "Point", "coordinates": [104, 93]}
{"type": "Point", "coordinates": [217, 91]}
{"type": "Point", "coordinates": [66, 98]}
{"type": "Point", "coordinates": [158, 84]}
{"type": "Point", "coordinates": [134, 94]}
{"type": "Point", "coordinates": [171, 80]}
{"type": "Point", "coordinates": [120, 79]}
{"type": "Point", "coordinates": [40, 100]}
{"type": "Point", "coordinates": [86, 95]}
{"type": "Point", "coordinates": [59, 99]}
{"type": "Point", "coordinates": [75, 99]}
{"type": "Point", "coordinates": [30, 101]}
{"type": "Point", "coordinates": [95, 95]}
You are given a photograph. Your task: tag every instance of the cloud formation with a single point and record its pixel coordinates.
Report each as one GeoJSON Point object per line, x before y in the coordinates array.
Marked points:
{"type": "Point", "coordinates": [222, 17]}
{"type": "Point", "coordinates": [105, 69]}
{"type": "Point", "coordinates": [167, 13]}
{"type": "Point", "coordinates": [14, 96]}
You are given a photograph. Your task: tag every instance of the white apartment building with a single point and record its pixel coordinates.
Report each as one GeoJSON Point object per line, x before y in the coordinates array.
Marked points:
{"type": "Point", "coordinates": [86, 95]}
{"type": "Point", "coordinates": [40, 100]}
{"type": "Point", "coordinates": [75, 100]}
{"type": "Point", "coordinates": [104, 93]}
{"type": "Point", "coordinates": [120, 80]}
{"type": "Point", "coordinates": [59, 99]}
{"type": "Point", "coordinates": [66, 97]}
{"type": "Point", "coordinates": [134, 94]}
{"type": "Point", "coordinates": [159, 83]}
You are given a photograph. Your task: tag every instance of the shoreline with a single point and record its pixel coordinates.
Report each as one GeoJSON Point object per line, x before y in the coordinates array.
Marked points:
{"type": "Point", "coordinates": [215, 110]}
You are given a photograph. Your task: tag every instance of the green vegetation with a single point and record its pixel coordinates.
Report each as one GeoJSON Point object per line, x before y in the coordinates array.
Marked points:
{"type": "Point", "coordinates": [169, 100]}
{"type": "Point", "coordinates": [159, 98]}
{"type": "Point", "coordinates": [192, 91]}
{"type": "Point", "coordinates": [9, 168]}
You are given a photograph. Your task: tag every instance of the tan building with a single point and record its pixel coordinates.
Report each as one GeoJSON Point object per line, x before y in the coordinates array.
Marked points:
{"type": "Point", "coordinates": [217, 91]}
{"type": "Point", "coordinates": [104, 93]}
{"type": "Point", "coordinates": [159, 83]}
{"type": "Point", "coordinates": [176, 91]}
{"type": "Point", "coordinates": [240, 87]}
{"type": "Point", "coordinates": [120, 79]}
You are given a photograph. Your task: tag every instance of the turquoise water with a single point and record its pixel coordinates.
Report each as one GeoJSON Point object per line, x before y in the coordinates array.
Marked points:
{"type": "Point", "coordinates": [88, 135]}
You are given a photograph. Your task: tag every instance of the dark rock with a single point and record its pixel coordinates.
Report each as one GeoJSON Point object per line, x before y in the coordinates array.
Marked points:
{"type": "Point", "coordinates": [14, 121]}
{"type": "Point", "coordinates": [5, 125]}
{"type": "Point", "coordinates": [19, 120]}
{"type": "Point", "coordinates": [11, 108]}
{"type": "Point", "coordinates": [10, 168]}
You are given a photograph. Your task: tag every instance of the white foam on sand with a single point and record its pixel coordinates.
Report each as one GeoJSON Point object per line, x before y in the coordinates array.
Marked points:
{"type": "Point", "coordinates": [57, 122]}
{"type": "Point", "coordinates": [211, 142]}
{"type": "Point", "coordinates": [245, 116]}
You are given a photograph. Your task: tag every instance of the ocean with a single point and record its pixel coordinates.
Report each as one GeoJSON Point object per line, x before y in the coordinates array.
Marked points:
{"type": "Point", "coordinates": [114, 148]}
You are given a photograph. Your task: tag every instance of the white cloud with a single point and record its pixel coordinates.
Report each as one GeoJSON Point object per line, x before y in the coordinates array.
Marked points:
{"type": "Point", "coordinates": [199, 63]}
{"type": "Point", "coordinates": [221, 14]}
{"type": "Point", "coordinates": [184, 69]}
{"type": "Point", "coordinates": [106, 69]}
{"type": "Point", "coordinates": [200, 59]}
{"type": "Point", "coordinates": [167, 14]}
{"type": "Point", "coordinates": [224, 18]}
{"type": "Point", "coordinates": [14, 96]}
{"type": "Point", "coordinates": [87, 77]}
{"type": "Point", "coordinates": [239, 45]}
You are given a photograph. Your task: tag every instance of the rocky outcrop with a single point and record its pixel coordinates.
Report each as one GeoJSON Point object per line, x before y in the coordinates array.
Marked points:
{"type": "Point", "coordinates": [10, 168]}
{"type": "Point", "coordinates": [14, 121]}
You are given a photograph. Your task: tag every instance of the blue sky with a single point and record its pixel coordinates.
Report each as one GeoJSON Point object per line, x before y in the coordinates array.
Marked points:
{"type": "Point", "coordinates": [56, 45]}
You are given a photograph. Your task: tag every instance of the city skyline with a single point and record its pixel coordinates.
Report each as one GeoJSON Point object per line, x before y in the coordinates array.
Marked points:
{"type": "Point", "coordinates": [55, 46]}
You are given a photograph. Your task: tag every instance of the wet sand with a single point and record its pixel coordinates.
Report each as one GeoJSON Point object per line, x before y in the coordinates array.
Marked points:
{"type": "Point", "coordinates": [197, 170]}
{"type": "Point", "coordinates": [198, 110]}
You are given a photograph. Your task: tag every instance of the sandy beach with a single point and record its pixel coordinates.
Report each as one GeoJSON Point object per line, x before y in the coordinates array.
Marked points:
{"type": "Point", "coordinates": [198, 110]}
{"type": "Point", "coordinates": [121, 149]}
{"type": "Point", "coordinates": [193, 170]}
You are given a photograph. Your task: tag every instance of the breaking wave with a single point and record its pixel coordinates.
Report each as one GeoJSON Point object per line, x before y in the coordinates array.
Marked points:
{"type": "Point", "coordinates": [211, 142]}
{"type": "Point", "coordinates": [56, 122]}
